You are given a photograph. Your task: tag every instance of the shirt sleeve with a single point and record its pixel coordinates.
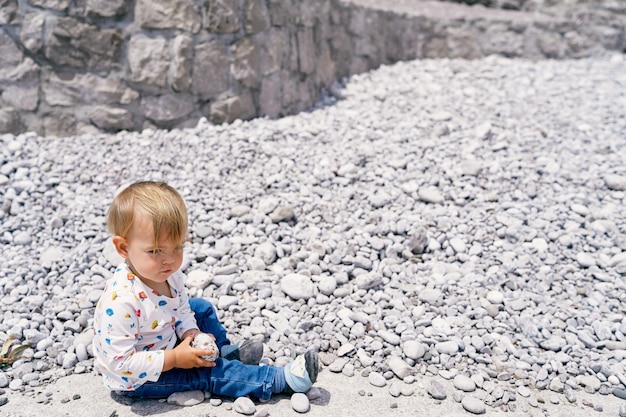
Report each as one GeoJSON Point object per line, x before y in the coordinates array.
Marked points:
{"type": "Point", "coordinates": [120, 336]}
{"type": "Point", "coordinates": [186, 319]}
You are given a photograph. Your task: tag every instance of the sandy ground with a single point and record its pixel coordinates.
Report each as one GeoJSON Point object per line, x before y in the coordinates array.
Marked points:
{"type": "Point", "coordinates": [84, 395]}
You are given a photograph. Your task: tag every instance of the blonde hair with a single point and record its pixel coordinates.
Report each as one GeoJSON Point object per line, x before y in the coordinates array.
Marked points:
{"type": "Point", "coordinates": [158, 201]}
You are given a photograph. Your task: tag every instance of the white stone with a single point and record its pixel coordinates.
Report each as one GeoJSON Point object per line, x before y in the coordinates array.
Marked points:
{"type": "Point", "coordinates": [413, 349]}
{"type": "Point", "coordinates": [377, 379]}
{"type": "Point", "coordinates": [245, 406]}
{"type": "Point", "coordinates": [585, 260]}
{"type": "Point", "coordinates": [297, 286]}
{"type": "Point", "coordinates": [206, 342]}
{"type": "Point", "coordinates": [473, 405]}
{"type": "Point", "coordinates": [186, 398]}
{"type": "Point", "coordinates": [300, 403]}
{"type": "Point", "coordinates": [399, 367]}
{"type": "Point", "coordinates": [198, 278]}
{"type": "Point", "coordinates": [464, 383]}
{"type": "Point", "coordinates": [430, 195]}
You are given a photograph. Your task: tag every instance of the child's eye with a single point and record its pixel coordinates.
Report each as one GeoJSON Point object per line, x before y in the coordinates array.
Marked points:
{"type": "Point", "coordinates": [154, 251]}
{"type": "Point", "coordinates": [180, 247]}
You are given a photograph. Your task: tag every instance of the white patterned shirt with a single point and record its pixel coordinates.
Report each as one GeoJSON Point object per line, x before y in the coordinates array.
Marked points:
{"type": "Point", "coordinates": [134, 324]}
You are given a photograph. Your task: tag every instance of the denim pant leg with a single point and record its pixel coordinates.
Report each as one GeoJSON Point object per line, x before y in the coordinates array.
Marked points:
{"type": "Point", "coordinates": [207, 320]}
{"type": "Point", "coordinates": [228, 378]}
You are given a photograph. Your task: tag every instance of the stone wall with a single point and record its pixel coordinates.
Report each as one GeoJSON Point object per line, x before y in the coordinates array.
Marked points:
{"type": "Point", "coordinates": [83, 66]}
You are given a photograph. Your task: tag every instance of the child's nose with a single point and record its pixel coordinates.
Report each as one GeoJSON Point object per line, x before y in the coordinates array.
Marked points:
{"type": "Point", "coordinates": [169, 258]}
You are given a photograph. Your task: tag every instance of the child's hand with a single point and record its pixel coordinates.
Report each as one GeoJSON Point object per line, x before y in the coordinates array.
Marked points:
{"type": "Point", "coordinates": [184, 356]}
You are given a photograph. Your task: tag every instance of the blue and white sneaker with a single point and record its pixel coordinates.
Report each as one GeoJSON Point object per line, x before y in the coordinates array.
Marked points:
{"type": "Point", "coordinates": [301, 373]}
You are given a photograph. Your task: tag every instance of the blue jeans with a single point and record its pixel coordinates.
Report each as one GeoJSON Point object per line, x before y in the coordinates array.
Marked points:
{"type": "Point", "coordinates": [228, 378]}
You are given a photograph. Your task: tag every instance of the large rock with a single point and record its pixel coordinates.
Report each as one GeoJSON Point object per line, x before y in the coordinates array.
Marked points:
{"type": "Point", "coordinates": [222, 16]}
{"type": "Point", "coordinates": [499, 39]}
{"type": "Point", "coordinates": [232, 108]}
{"type": "Point", "coordinates": [9, 120]}
{"type": "Point", "coordinates": [246, 66]}
{"type": "Point", "coordinates": [167, 109]}
{"type": "Point", "coordinates": [87, 88]}
{"type": "Point", "coordinates": [278, 12]}
{"type": "Point", "coordinates": [59, 124]}
{"type": "Point", "coordinates": [8, 11]}
{"type": "Point", "coordinates": [111, 118]}
{"type": "Point", "coordinates": [270, 97]}
{"type": "Point", "coordinates": [257, 16]}
{"type": "Point", "coordinates": [107, 8]}
{"type": "Point", "coordinates": [148, 60]}
{"type": "Point", "coordinates": [58, 5]}
{"type": "Point", "coordinates": [273, 51]}
{"type": "Point", "coordinates": [31, 33]}
{"type": "Point", "coordinates": [78, 44]}
{"type": "Point", "coordinates": [168, 14]}
{"type": "Point", "coordinates": [297, 286]}
{"type": "Point", "coordinates": [306, 50]}
{"type": "Point", "coordinates": [210, 70]}
{"type": "Point", "coordinates": [10, 54]}
{"type": "Point", "coordinates": [180, 69]}
{"type": "Point", "coordinates": [20, 85]}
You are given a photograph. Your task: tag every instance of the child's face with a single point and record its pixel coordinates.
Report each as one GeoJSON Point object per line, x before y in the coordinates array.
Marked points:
{"type": "Point", "coordinates": [153, 264]}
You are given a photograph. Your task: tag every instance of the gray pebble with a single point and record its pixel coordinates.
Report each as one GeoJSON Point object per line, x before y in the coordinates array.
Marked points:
{"type": "Point", "coordinates": [464, 383]}
{"type": "Point", "coordinates": [377, 379]}
{"type": "Point", "coordinates": [186, 398]}
{"type": "Point", "coordinates": [436, 390]}
{"type": "Point", "coordinates": [473, 405]}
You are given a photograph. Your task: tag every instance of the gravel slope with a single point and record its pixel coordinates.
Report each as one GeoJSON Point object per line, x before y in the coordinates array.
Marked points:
{"type": "Point", "coordinates": [466, 217]}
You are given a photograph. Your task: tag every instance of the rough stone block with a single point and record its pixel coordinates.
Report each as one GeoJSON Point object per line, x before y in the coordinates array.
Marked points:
{"type": "Point", "coordinates": [232, 108]}
{"type": "Point", "coordinates": [59, 124]}
{"type": "Point", "coordinates": [308, 13]}
{"type": "Point", "coordinates": [577, 45]}
{"type": "Point", "coordinates": [401, 42]}
{"type": "Point", "coordinates": [58, 5]}
{"type": "Point", "coordinates": [148, 60]}
{"type": "Point", "coordinates": [436, 47]}
{"type": "Point", "coordinates": [166, 109]}
{"type": "Point", "coordinates": [257, 17]}
{"type": "Point", "coordinates": [10, 54]}
{"type": "Point", "coordinates": [9, 120]}
{"type": "Point", "coordinates": [107, 8]}
{"type": "Point", "coordinates": [180, 67]}
{"type": "Point", "coordinates": [325, 70]}
{"type": "Point", "coordinates": [31, 34]}
{"type": "Point", "coordinates": [541, 44]}
{"type": "Point", "coordinates": [462, 43]}
{"type": "Point", "coordinates": [25, 71]}
{"type": "Point", "coordinates": [279, 11]}
{"type": "Point", "coordinates": [341, 50]}
{"type": "Point", "coordinates": [273, 51]}
{"type": "Point", "coordinates": [222, 16]}
{"type": "Point", "coordinates": [270, 97]}
{"type": "Point", "coordinates": [77, 44]}
{"type": "Point", "coordinates": [290, 88]}
{"type": "Point", "coordinates": [498, 39]}
{"type": "Point", "coordinates": [306, 50]}
{"type": "Point", "coordinates": [22, 97]}
{"type": "Point", "coordinates": [211, 70]}
{"type": "Point", "coordinates": [246, 65]}
{"type": "Point", "coordinates": [111, 118]}
{"type": "Point", "coordinates": [86, 88]}
{"type": "Point", "coordinates": [8, 11]}
{"type": "Point", "coordinates": [168, 14]}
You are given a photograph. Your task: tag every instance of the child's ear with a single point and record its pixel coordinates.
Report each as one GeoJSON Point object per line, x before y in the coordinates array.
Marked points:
{"type": "Point", "coordinates": [121, 246]}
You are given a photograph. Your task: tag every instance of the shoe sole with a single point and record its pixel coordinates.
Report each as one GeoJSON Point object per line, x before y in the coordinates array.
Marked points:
{"type": "Point", "coordinates": [312, 364]}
